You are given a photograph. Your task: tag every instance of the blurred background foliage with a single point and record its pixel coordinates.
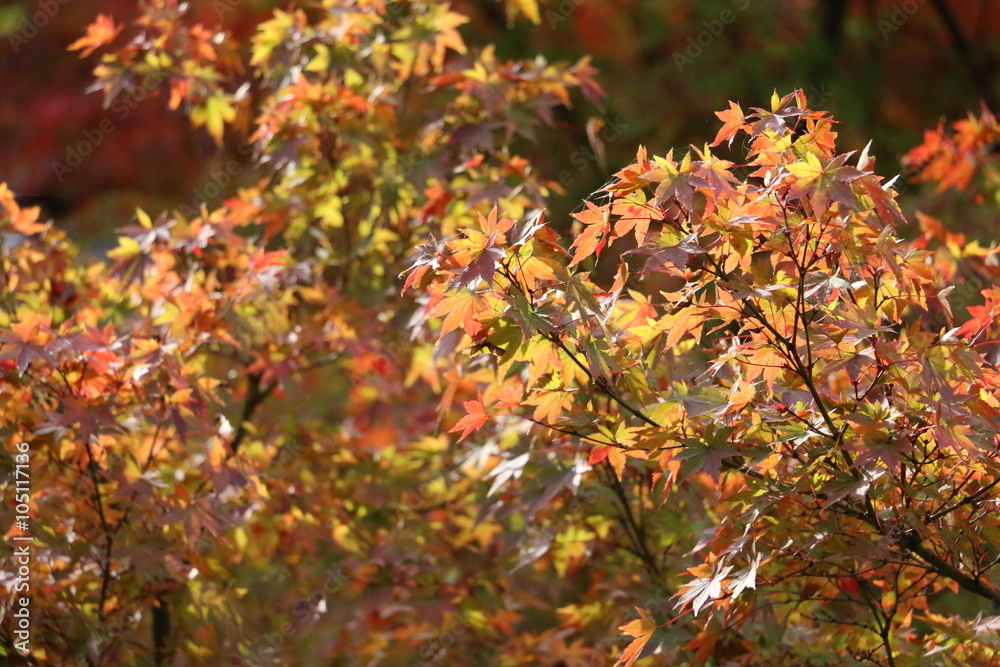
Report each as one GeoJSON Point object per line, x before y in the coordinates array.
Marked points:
{"type": "Point", "coordinates": [886, 69]}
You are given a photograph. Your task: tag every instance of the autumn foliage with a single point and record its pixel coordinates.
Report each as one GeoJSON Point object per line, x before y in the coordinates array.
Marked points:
{"type": "Point", "coordinates": [375, 408]}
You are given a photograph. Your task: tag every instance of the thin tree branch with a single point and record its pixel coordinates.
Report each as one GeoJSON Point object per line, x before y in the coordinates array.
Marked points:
{"type": "Point", "coordinates": [161, 630]}
{"type": "Point", "coordinates": [912, 543]}
{"type": "Point", "coordinates": [633, 529]}
{"type": "Point", "coordinates": [965, 53]}
{"type": "Point", "coordinates": [255, 396]}
{"type": "Point", "coordinates": [964, 501]}
{"type": "Point", "coordinates": [610, 392]}
{"type": "Point", "coordinates": [109, 543]}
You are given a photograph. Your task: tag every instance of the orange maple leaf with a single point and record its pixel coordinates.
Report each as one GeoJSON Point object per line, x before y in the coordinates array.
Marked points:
{"type": "Point", "coordinates": [510, 396]}
{"type": "Point", "coordinates": [474, 420]}
{"type": "Point", "coordinates": [99, 33]}
{"type": "Point", "coordinates": [263, 259]}
{"type": "Point", "coordinates": [642, 629]}
{"type": "Point", "coordinates": [548, 405]}
{"type": "Point", "coordinates": [594, 236]}
{"type": "Point", "coordinates": [733, 123]}
{"type": "Point", "coordinates": [460, 310]}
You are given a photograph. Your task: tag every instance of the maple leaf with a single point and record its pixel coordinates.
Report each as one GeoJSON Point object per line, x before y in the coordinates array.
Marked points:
{"type": "Point", "coordinates": [708, 454]}
{"type": "Point", "coordinates": [481, 268]}
{"type": "Point", "coordinates": [548, 404]}
{"type": "Point", "coordinates": [765, 361]}
{"type": "Point", "coordinates": [745, 578]}
{"type": "Point", "coordinates": [634, 217]}
{"type": "Point", "coordinates": [824, 182]}
{"type": "Point", "coordinates": [592, 239]}
{"type": "Point", "coordinates": [30, 339]}
{"type": "Point", "coordinates": [683, 321]}
{"type": "Point", "coordinates": [733, 123]}
{"type": "Point", "coordinates": [678, 181]}
{"type": "Point", "coordinates": [642, 629]}
{"type": "Point", "coordinates": [460, 310]}
{"type": "Point", "coordinates": [263, 259]}
{"type": "Point", "coordinates": [99, 33]}
{"type": "Point", "coordinates": [704, 643]}
{"type": "Point", "coordinates": [980, 318]}
{"type": "Point", "coordinates": [510, 395]}
{"type": "Point", "coordinates": [703, 590]}
{"type": "Point", "coordinates": [984, 625]}
{"type": "Point", "coordinates": [22, 220]}
{"type": "Point", "coordinates": [527, 230]}
{"type": "Point", "coordinates": [527, 7]}
{"type": "Point", "coordinates": [679, 255]}
{"type": "Point", "coordinates": [598, 454]}
{"type": "Point", "coordinates": [775, 119]}
{"type": "Point", "coordinates": [474, 420]}
{"type": "Point", "coordinates": [955, 436]}
{"type": "Point", "coordinates": [448, 37]}
{"type": "Point", "coordinates": [616, 457]}
{"type": "Point", "coordinates": [214, 114]}
{"type": "Point", "coordinates": [741, 394]}
{"type": "Point", "coordinates": [506, 471]}
{"type": "Point", "coordinates": [480, 251]}
{"type": "Point", "coordinates": [426, 259]}
{"type": "Point", "coordinates": [843, 485]}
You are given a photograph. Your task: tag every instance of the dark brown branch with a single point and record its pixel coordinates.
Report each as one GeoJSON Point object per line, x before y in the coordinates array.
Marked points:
{"type": "Point", "coordinates": [971, 498]}
{"type": "Point", "coordinates": [866, 511]}
{"type": "Point", "coordinates": [633, 529]}
{"type": "Point", "coordinates": [255, 396]}
{"type": "Point", "coordinates": [161, 630]}
{"type": "Point", "coordinates": [965, 53]}
{"type": "Point", "coordinates": [832, 15]}
{"type": "Point", "coordinates": [911, 542]}
{"type": "Point", "coordinates": [610, 392]}
{"type": "Point", "coordinates": [109, 540]}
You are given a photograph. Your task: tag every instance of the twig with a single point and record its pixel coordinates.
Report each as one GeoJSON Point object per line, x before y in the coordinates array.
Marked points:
{"type": "Point", "coordinates": [633, 529]}
{"type": "Point", "coordinates": [255, 396]}
{"type": "Point", "coordinates": [965, 53]}
{"type": "Point", "coordinates": [161, 630]}
{"type": "Point", "coordinates": [99, 502]}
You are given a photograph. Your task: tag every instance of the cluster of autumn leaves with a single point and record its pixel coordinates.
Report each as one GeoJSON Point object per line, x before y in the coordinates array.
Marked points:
{"type": "Point", "coordinates": [803, 366]}
{"type": "Point", "coordinates": [740, 385]}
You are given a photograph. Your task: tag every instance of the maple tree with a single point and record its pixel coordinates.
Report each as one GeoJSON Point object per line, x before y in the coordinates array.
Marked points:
{"type": "Point", "coordinates": [773, 363]}
{"type": "Point", "coordinates": [771, 431]}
